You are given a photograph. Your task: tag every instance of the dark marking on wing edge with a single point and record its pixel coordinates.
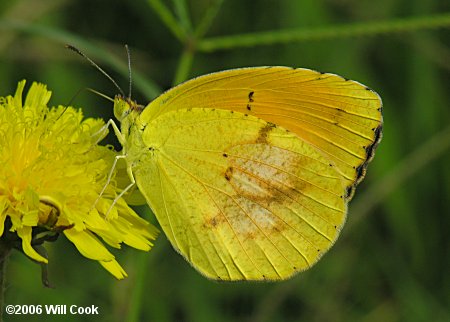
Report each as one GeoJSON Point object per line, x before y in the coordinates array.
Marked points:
{"type": "Point", "coordinates": [349, 192]}
{"type": "Point", "coordinates": [361, 169]}
{"type": "Point", "coordinates": [370, 150]}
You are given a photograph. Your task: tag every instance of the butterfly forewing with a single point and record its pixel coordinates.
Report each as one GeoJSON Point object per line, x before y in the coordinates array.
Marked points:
{"type": "Point", "coordinates": [339, 117]}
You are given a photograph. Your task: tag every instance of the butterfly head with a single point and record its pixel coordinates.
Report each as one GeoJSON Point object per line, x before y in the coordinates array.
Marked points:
{"type": "Point", "coordinates": [123, 107]}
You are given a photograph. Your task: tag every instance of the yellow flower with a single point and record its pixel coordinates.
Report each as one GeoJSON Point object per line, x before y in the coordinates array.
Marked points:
{"type": "Point", "coordinates": [51, 175]}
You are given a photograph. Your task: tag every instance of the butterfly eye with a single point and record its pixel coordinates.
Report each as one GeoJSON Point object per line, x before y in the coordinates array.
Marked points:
{"type": "Point", "coordinates": [126, 113]}
{"type": "Point", "coordinates": [121, 108]}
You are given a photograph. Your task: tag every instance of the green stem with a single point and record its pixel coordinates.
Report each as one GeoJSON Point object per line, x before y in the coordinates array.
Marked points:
{"type": "Point", "coordinates": [4, 254]}
{"type": "Point", "coordinates": [184, 66]}
{"type": "Point", "coordinates": [322, 33]}
{"type": "Point", "coordinates": [168, 19]}
{"type": "Point", "coordinates": [138, 291]}
{"type": "Point", "coordinates": [208, 19]}
{"type": "Point", "coordinates": [183, 15]}
{"type": "Point", "coordinates": [142, 83]}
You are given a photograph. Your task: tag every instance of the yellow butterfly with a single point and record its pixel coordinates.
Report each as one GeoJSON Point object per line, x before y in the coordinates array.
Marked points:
{"type": "Point", "coordinates": [249, 171]}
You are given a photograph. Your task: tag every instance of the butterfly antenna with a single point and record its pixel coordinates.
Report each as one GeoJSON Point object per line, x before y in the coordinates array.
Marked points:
{"type": "Point", "coordinates": [75, 96]}
{"type": "Point", "coordinates": [70, 103]}
{"type": "Point", "coordinates": [96, 66]}
{"type": "Point", "coordinates": [78, 93]}
{"type": "Point", "coordinates": [129, 70]}
{"type": "Point", "coordinates": [100, 94]}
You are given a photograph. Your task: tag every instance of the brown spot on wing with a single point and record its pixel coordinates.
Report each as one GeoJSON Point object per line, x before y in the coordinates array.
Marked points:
{"type": "Point", "coordinates": [258, 190]}
{"type": "Point", "coordinates": [228, 173]}
{"type": "Point", "coordinates": [264, 132]}
{"type": "Point", "coordinates": [261, 190]}
{"type": "Point", "coordinates": [250, 100]}
{"type": "Point", "coordinates": [214, 221]}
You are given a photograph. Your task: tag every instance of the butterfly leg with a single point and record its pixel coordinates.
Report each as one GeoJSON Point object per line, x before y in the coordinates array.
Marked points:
{"type": "Point", "coordinates": [132, 183]}
{"type": "Point", "coordinates": [121, 139]}
{"type": "Point", "coordinates": [104, 129]}
{"type": "Point", "coordinates": [108, 180]}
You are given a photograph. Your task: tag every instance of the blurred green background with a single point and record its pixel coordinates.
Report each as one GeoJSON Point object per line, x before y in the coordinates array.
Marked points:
{"type": "Point", "coordinates": [392, 261]}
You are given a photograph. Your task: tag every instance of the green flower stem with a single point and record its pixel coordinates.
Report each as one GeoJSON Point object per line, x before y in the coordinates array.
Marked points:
{"type": "Point", "coordinates": [5, 250]}
{"type": "Point", "coordinates": [329, 32]}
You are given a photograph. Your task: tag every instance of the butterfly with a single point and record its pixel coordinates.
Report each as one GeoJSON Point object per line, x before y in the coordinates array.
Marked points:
{"type": "Point", "coordinates": [249, 171]}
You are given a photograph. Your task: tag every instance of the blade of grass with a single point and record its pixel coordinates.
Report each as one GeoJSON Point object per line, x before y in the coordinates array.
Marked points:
{"type": "Point", "coordinates": [143, 84]}
{"type": "Point", "coordinates": [183, 15]}
{"type": "Point", "coordinates": [184, 67]}
{"type": "Point", "coordinates": [433, 49]}
{"type": "Point", "coordinates": [207, 19]}
{"type": "Point", "coordinates": [25, 11]}
{"type": "Point", "coordinates": [329, 32]}
{"type": "Point", "coordinates": [168, 19]}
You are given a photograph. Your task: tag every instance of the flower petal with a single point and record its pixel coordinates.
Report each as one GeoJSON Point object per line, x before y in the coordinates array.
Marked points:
{"type": "Point", "coordinates": [114, 268]}
{"type": "Point", "coordinates": [55, 175]}
{"type": "Point", "coordinates": [88, 245]}
{"type": "Point", "coordinates": [25, 234]}
{"type": "Point", "coordinates": [17, 100]}
{"type": "Point", "coordinates": [38, 95]}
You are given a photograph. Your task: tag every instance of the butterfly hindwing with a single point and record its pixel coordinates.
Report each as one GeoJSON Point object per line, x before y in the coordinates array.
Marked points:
{"type": "Point", "coordinates": [239, 197]}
